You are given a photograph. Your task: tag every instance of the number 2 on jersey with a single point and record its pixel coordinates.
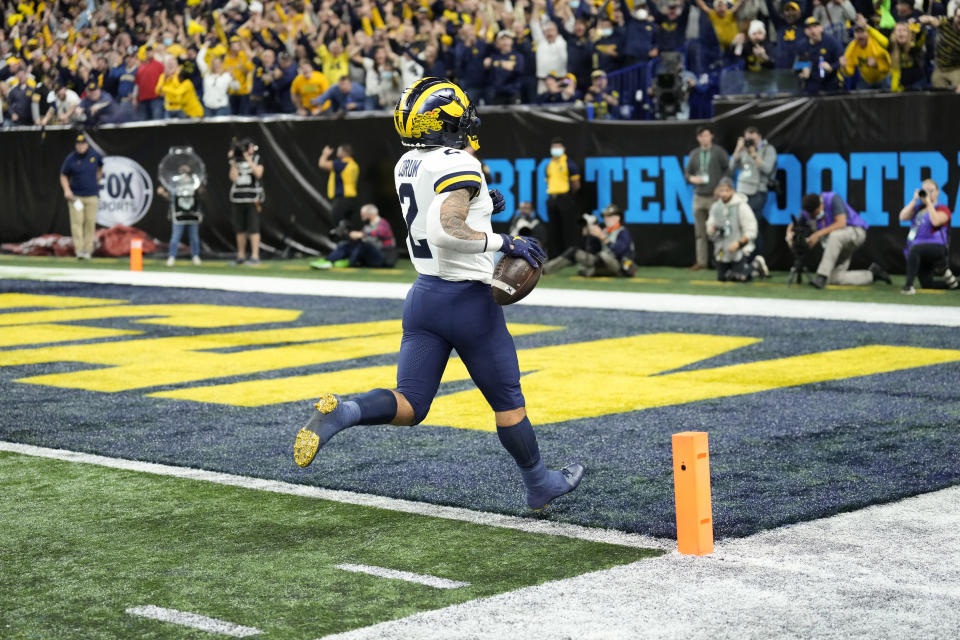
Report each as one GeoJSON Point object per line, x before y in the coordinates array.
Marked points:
{"type": "Point", "coordinates": [408, 201]}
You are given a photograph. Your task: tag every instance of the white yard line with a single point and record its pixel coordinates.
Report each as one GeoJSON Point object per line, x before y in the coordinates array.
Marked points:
{"type": "Point", "coordinates": [582, 299]}
{"type": "Point", "coordinates": [529, 525]}
{"type": "Point", "coordinates": [887, 571]}
{"type": "Point", "coordinates": [193, 620]}
{"type": "Point", "coordinates": [406, 576]}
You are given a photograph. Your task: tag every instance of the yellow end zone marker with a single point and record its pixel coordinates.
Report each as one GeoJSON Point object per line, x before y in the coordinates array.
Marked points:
{"type": "Point", "coordinates": [691, 487]}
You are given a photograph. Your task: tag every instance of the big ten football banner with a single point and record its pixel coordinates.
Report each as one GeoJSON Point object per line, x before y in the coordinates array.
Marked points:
{"type": "Point", "coordinates": [872, 150]}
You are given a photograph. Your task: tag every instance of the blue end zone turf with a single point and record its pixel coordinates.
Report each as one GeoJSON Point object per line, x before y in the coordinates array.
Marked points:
{"type": "Point", "coordinates": [777, 456]}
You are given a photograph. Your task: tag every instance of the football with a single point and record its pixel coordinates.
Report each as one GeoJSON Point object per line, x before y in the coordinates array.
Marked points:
{"type": "Point", "coordinates": [513, 279]}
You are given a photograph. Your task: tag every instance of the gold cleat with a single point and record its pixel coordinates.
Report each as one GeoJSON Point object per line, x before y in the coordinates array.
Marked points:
{"type": "Point", "coordinates": [327, 403]}
{"type": "Point", "coordinates": [306, 446]}
{"type": "Point", "coordinates": [308, 443]}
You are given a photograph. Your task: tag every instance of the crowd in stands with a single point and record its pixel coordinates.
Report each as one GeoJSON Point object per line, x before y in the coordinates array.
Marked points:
{"type": "Point", "coordinates": [103, 61]}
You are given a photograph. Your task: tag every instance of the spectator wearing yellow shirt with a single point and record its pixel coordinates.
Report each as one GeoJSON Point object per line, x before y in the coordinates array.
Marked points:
{"type": "Point", "coordinates": [723, 21]}
{"type": "Point", "coordinates": [336, 61]}
{"type": "Point", "coordinates": [238, 63]}
{"type": "Point", "coordinates": [308, 84]}
{"type": "Point", "coordinates": [192, 107]}
{"type": "Point", "coordinates": [179, 95]}
{"type": "Point", "coordinates": [908, 51]}
{"type": "Point", "coordinates": [169, 88]}
{"type": "Point", "coordinates": [869, 57]}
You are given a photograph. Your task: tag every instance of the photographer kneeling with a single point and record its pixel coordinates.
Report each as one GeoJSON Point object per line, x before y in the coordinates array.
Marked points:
{"type": "Point", "coordinates": [928, 243]}
{"type": "Point", "coordinates": [372, 247]}
{"type": "Point", "coordinates": [732, 228]}
{"type": "Point", "coordinates": [841, 231]}
{"type": "Point", "coordinates": [604, 251]}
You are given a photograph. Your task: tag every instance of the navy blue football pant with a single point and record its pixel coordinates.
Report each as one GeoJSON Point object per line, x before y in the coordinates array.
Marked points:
{"type": "Point", "coordinates": [439, 316]}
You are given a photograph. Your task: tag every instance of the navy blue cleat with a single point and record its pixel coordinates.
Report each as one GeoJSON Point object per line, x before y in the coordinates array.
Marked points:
{"type": "Point", "coordinates": [557, 483]}
{"type": "Point", "coordinates": [326, 421]}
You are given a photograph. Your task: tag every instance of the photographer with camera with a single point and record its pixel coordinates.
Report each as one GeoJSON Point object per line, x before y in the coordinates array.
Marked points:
{"type": "Point", "coordinates": [756, 159]}
{"type": "Point", "coordinates": [246, 198]}
{"type": "Point", "coordinates": [603, 251]}
{"type": "Point", "coordinates": [732, 228]}
{"type": "Point", "coordinates": [928, 241]}
{"type": "Point", "coordinates": [182, 175]}
{"type": "Point", "coordinates": [841, 231]}
{"type": "Point", "coordinates": [373, 246]}
{"type": "Point", "coordinates": [526, 223]}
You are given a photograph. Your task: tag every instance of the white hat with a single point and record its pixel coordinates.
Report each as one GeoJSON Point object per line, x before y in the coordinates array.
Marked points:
{"type": "Point", "coordinates": [755, 27]}
{"type": "Point", "coordinates": [256, 7]}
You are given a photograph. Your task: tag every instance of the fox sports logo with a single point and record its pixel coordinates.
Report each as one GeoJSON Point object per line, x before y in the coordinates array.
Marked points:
{"type": "Point", "coordinates": [125, 193]}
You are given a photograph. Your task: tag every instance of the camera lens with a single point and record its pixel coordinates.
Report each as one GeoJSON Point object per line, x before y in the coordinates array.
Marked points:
{"type": "Point", "coordinates": [922, 194]}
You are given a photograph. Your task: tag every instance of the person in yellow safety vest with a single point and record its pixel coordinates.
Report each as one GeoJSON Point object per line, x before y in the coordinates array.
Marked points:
{"type": "Point", "coordinates": [563, 180]}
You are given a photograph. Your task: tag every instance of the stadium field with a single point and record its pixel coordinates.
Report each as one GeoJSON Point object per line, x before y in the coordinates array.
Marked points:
{"type": "Point", "coordinates": [94, 542]}
{"type": "Point", "coordinates": [812, 411]}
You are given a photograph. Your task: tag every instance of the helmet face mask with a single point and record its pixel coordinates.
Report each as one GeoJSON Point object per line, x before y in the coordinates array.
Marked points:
{"type": "Point", "coordinates": [433, 112]}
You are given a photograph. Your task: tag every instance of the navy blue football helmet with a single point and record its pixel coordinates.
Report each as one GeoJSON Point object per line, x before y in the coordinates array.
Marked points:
{"type": "Point", "coordinates": [433, 112]}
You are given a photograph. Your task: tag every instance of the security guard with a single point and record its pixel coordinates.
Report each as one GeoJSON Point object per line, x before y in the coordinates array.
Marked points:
{"type": "Point", "coordinates": [563, 180]}
{"type": "Point", "coordinates": [80, 178]}
{"type": "Point", "coordinates": [342, 186]}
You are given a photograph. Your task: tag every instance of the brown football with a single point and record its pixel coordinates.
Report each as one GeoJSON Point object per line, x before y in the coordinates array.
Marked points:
{"type": "Point", "coordinates": [513, 279]}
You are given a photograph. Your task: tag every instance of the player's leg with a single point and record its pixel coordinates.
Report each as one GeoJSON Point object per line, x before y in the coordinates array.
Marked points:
{"type": "Point", "coordinates": [422, 360]}
{"type": "Point", "coordinates": [488, 352]}
{"type": "Point", "coordinates": [423, 357]}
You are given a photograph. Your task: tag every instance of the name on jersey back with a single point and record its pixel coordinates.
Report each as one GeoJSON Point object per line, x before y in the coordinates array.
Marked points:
{"type": "Point", "coordinates": [409, 168]}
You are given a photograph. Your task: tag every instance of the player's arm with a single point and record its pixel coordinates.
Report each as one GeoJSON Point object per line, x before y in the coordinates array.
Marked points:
{"type": "Point", "coordinates": [447, 226]}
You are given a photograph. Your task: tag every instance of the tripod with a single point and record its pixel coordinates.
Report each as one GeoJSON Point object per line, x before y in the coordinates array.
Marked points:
{"type": "Point", "coordinates": [797, 271]}
{"type": "Point", "coordinates": [799, 249]}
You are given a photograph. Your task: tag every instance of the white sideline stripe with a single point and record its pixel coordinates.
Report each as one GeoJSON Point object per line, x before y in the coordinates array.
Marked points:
{"type": "Point", "coordinates": [381, 572]}
{"type": "Point", "coordinates": [581, 299]}
{"type": "Point", "coordinates": [193, 620]}
{"type": "Point", "coordinates": [543, 527]}
{"type": "Point", "coordinates": [885, 571]}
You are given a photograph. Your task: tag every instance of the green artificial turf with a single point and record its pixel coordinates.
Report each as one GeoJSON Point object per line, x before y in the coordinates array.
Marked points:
{"type": "Point", "coordinates": [647, 279]}
{"type": "Point", "coordinates": [80, 544]}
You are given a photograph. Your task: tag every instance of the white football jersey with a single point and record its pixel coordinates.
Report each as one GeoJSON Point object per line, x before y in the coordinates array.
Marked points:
{"type": "Point", "coordinates": [422, 175]}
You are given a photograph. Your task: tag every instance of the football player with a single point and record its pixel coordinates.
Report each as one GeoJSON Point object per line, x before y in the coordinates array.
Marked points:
{"type": "Point", "coordinates": [447, 208]}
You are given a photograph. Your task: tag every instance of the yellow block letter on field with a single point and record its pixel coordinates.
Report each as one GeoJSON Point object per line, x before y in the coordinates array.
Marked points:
{"type": "Point", "coordinates": [619, 375]}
